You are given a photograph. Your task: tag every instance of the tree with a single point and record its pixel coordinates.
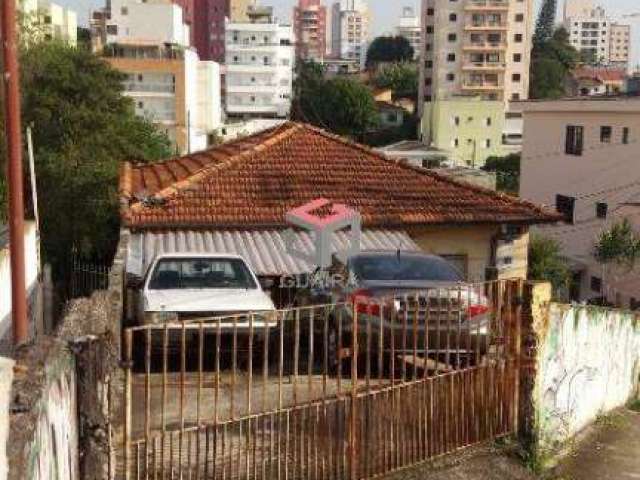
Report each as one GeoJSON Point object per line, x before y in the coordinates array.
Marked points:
{"type": "Point", "coordinates": [507, 170]}
{"type": "Point", "coordinates": [545, 24]}
{"type": "Point", "coordinates": [546, 263]}
{"type": "Point", "coordinates": [552, 61]}
{"type": "Point", "coordinates": [341, 105]}
{"type": "Point", "coordinates": [402, 78]}
{"type": "Point", "coordinates": [389, 50]}
{"type": "Point", "coordinates": [83, 128]}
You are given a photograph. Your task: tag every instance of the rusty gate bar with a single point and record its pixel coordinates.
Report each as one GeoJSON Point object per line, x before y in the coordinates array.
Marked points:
{"type": "Point", "coordinates": [343, 391]}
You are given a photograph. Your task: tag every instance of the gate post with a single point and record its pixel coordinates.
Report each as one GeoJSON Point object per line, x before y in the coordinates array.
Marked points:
{"type": "Point", "coordinates": [127, 365]}
{"type": "Point", "coordinates": [353, 423]}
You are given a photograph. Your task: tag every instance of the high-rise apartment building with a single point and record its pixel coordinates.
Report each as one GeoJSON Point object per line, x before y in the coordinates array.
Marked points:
{"type": "Point", "coordinates": [209, 25]}
{"type": "Point", "coordinates": [476, 47]}
{"type": "Point", "coordinates": [350, 30]}
{"type": "Point", "coordinates": [619, 45]}
{"type": "Point", "coordinates": [260, 59]}
{"type": "Point", "coordinates": [149, 41]}
{"type": "Point", "coordinates": [310, 28]}
{"type": "Point", "coordinates": [409, 28]}
{"type": "Point", "coordinates": [600, 40]}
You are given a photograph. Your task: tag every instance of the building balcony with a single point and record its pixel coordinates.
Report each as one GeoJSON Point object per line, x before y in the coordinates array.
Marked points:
{"type": "Point", "coordinates": [491, 26]}
{"type": "Point", "coordinates": [251, 47]}
{"type": "Point", "coordinates": [484, 86]}
{"type": "Point", "coordinates": [252, 88]}
{"type": "Point", "coordinates": [486, 5]}
{"type": "Point", "coordinates": [251, 68]}
{"type": "Point", "coordinates": [160, 89]}
{"type": "Point", "coordinates": [484, 46]}
{"type": "Point", "coordinates": [484, 66]}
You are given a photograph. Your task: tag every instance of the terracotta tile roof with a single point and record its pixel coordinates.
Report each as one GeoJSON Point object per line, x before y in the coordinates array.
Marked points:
{"type": "Point", "coordinates": [254, 181]}
{"type": "Point", "coordinates": [602, 74]}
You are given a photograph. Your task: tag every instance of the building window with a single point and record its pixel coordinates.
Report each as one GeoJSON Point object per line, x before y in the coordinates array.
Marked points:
{"type": "Point", "coordinates": [517, 57]}
{"type": "Point", "coordinates": [427, 81]}
{"type": "Point", "coordinates": [517, 38]}
{"type": "Point", "coordinates": [428, 64]}
{"type": "Point", "coordinates": [519, 17]}
{"type": "Point", "coordinates": [515, 77]}
{"type": "Point", "coordinates": [566, 206]}
{"type": "Point", "coordinates": [452, 37]}
{"type": "Point", "coordinates": [124, 10]}
{"type": "Point", "coordinates": [487, 143]}
{"type": "Point", "coordinates": [596, 284]}
{"type": "Point", "coordinates": [456, 142]}
{"type": "Point", "coordinates": [605, 134]}
{"type": "Point", "coordinates": [456, 121]}
{"type": "Point", "coordinates": [430, 12]}
{"type": "Point", "coordinates": [488, 121]}
{"type": "Point", "coordinates": [451, 77]}
{"type": "Point", "coordinates": [625, 135]}
{"type": "Point", "coordinates": [453, 17]}
{"type": "Point", "coordinates": [601, 210]}
{"type": "Point", "coordinates": [515, 96]}
{"type": "Point", "coordinates": [574, 140]}
{"type": "Point", "coordinates": [451, 57]}
{"type": "Point", "coordinates": [429, 29]}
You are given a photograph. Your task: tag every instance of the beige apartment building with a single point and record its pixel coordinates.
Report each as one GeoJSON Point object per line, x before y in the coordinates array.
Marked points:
{"type": "Point", "coordinates": [581, 155]}
{"type": "Point", "coordinates": [476, 47]}
{"type": "Point", "coordinates": [619, 45]}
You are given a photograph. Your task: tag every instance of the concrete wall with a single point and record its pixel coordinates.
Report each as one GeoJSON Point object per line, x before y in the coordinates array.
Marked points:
{"type": "Point", "coordinates": [588, 364]}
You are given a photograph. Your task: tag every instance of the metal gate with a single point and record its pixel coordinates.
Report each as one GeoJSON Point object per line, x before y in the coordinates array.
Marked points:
{"type": "Point", "coordinates": [341, 391]}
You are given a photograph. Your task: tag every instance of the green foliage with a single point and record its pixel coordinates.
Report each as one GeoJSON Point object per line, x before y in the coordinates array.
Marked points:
{"type": "Point", "coordinates": [402, 78]}
{"type": "Point", "coordinates": [407, 131]}
{"type": "Point", "coordinates": [389, 50]}
{"type": "Point", "coordinates": [341, 105]}
{"type": "Point", "coordinates": [619, 245]}
{"type": "Point", "coordinates": [83, 127]}
{"type": "Point", "coordinates": [546, 263]}
{"type": "Point", "coordinates": [546, 22]}
{"type": "Point", "coordinates": [507, 170]}
{"type": "Point", "coordinates": [552, 61]}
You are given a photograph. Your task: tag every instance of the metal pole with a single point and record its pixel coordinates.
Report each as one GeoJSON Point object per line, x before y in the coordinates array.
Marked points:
{"type": "Point", "coordinates": [14, 171]}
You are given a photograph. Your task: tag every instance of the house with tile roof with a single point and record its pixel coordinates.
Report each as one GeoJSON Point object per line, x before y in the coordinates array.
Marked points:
{"type": "Point", "coordinates": [233, 199]}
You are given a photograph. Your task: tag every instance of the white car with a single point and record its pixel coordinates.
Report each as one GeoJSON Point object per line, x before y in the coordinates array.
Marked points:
{"type": "Point", "coordinates": [204, 287]}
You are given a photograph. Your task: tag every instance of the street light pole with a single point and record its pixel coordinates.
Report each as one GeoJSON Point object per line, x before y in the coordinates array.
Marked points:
{"type": "Point", "coordinates": [14, 170]}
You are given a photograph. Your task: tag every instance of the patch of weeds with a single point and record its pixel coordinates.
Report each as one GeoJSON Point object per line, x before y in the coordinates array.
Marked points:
{"type": "Point", "coordinates": [634, 405]}
{"type": "Point", "coordinates": [610, 420]}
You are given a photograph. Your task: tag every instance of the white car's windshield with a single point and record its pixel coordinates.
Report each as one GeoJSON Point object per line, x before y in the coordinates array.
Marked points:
{"type": "Point", "coordinates": [182, 273]}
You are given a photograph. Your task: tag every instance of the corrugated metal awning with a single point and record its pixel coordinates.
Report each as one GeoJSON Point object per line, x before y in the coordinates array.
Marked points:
{"type": "Point", "coordinates": [265, 250]}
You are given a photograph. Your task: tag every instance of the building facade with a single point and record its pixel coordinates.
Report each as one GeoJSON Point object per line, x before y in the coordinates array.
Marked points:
{"type": "Point", "coordinates": [478, 47]}
{"type": "Point", "coordinates": [600, 40]}
{"type": "Point", "coordinates": [468, 128]}
{"type": "Point", "coordinates": [51, 21]}
{"type": "Point", "coordinates": [579, 155]}
{"type": "Point", "coordinates": [310, 28]}
{"type": "Point", "coordinates": [209, 25]}
{"type": "Point", "coordinates": [409, 28]}
{"type": "Point", "coordinates": [260, 59]}
{"type": "Point", "coordinates": [168, 83]}
{"type": "Point", "coordinates": [619, 45]}
{"type": "Point", "coordinates": [350, 30]}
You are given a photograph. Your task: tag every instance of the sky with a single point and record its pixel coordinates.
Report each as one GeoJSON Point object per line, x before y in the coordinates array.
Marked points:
{"type": "Point", "coordinates": [386, 12]}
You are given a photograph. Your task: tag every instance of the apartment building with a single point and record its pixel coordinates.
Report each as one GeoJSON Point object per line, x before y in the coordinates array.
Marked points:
{"type": "Point", "coordinates": [581, 155]}
{"type": "Point", "coordinates": [51, 20]}
{"type": "Point", "coordinates": [209, 25]}
{"type": "Point", "coordinates": [409, 28]}
{"type": "Point", "coordinates": [600, 40]}
{"type": "Point", "coordinates": [468, 128]}
{"type": "Point", "coordinates": [619, 45]}
{"type": "Point", "coordinates": [310, 27]}
{"type": "Point", "coordinates": [260, 59]}
{"type": "Point", "coordinates": [350, 30]}
{"type": "Point", "coordinates": [577, 8]}
{"type": "Point", "coordinates": [477, 47]}
{"type": "Point", "coordinates": [148, 41]}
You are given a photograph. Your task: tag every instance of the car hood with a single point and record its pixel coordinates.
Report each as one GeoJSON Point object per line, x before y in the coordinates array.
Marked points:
{"type": "Point", "coordinates": [207, 300]}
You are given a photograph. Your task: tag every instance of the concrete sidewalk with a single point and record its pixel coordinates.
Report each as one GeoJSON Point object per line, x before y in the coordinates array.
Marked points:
{"type": "Point", "coordinates": [611, 450]}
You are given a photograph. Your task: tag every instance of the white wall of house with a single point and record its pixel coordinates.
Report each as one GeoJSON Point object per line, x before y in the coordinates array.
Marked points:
{"type": "Point", "coordinates": [606, 171]}
{"type": "Point", "coordinates": [209, 104]}
{"type": "Point", "coordinates": [260, 59]}
{"type": "Point", "coordinates": [32, 265]}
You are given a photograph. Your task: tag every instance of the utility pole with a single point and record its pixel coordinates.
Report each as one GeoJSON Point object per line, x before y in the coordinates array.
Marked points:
{"type": "Point", "coordinates": [14, 170]}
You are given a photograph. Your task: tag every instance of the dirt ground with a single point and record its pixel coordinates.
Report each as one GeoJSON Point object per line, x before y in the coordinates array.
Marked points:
{"type": "Point", "coordinates": [486, 462]}
{"type": "Point", "coordinates": [611, 450]}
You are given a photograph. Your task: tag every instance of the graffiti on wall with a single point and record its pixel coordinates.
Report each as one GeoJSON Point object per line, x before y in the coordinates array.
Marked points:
{"type": "Point", "coordinates": [54, 450]}
{"type": "Point", "coordinates": [588, 364]}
